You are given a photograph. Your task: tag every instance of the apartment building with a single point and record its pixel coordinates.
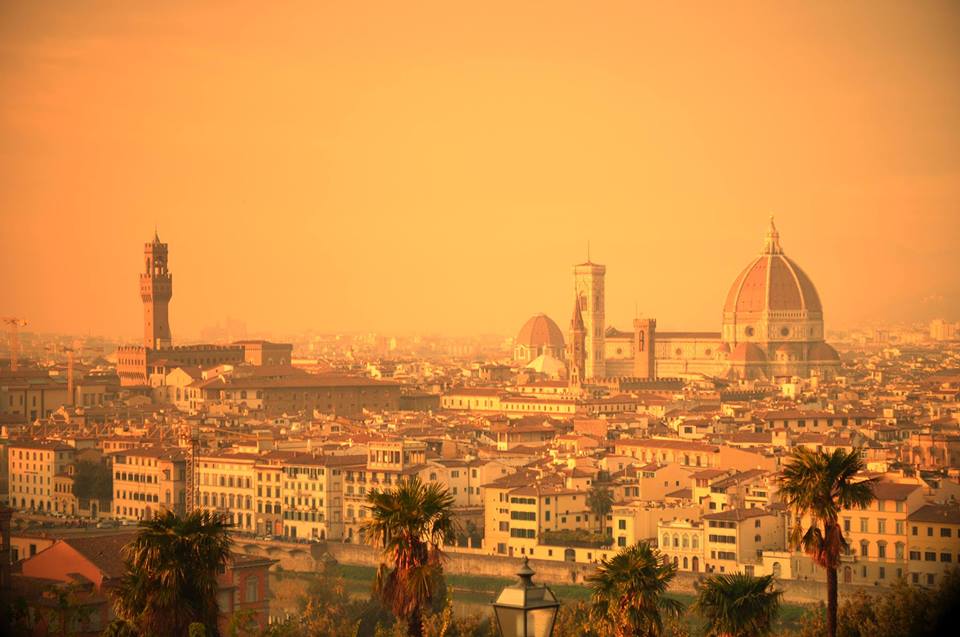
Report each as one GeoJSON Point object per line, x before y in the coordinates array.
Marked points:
{"type": "Point", "coordinates": [387, 462]}
{"type": "Point", "coordinates": [227, 483]}
{"type": "Point", "coordinates": [148, 481]}
{"type": "Point", "coordinates": [686, 453]}
{"type": "Point", "coordinates": [519, 508]}
{"type": "Point", "coordinates": [313, 488]}
{"type": "Point", "coordinates": [736, 538]}
{"type": "Point", "coordinates": [933, 542]}
{"type": "Point", "coordinates": [640, 519]}
{"type": "Point", "coordinates": [877, 536]}
{"type": "Point", "coordinates": [32, 467]}
{"type": "Point", "coordinates": [464, 478]}
{"type": "Point", "coordinates": [269, 498]}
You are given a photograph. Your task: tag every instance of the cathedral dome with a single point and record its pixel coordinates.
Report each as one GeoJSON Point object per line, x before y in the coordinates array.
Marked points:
{"type": "Point", "coordinates": [748, 353]}
{"type": "Point", "coordinates": [823, 352]}
{"type": "Point", "coordinates": [540, 332]}
{"type": "Point", "coordinates": [773, 283]}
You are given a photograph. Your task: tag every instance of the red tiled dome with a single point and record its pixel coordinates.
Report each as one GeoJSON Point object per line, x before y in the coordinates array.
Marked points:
{"type": "Point", "coordinates": [748, 353]}
{"type": "Point", "coordinates": [540, 331]}
{"type": "Point", "coordinates": [823, 352]}
{"type": "Point", "coordinates": [772, 282]}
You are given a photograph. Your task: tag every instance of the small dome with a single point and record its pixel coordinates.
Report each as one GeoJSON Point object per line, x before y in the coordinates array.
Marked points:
{"type": "Point", "coordinates": [540, 331]}
{"type": "Point", "coordinates": [723, 349]}
{"type": "Point", "coordinates": [823, 352]}
{"type": "Point", "coordinates": [548, 365]}
{"type": "Point", "coordinates": [748, 353]}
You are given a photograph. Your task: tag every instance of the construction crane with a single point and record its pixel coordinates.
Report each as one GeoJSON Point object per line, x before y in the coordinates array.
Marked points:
{"type": "Point", "coordinates": [193, 482]}
{"type": "Point", "coordinates": [13, 332]}
{"type": "Point", "coordinates": [71, 400]}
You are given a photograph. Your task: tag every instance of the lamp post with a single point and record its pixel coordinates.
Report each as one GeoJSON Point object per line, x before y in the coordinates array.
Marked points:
{"type": "Point", "coordinates": [526, 609]}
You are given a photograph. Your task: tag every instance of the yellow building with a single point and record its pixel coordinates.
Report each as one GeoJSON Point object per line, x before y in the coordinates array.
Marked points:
{"type": "Point", "coordinates": [520, 508]}
{"type": "Point", "coordinates": [147, 481]}
{"type": "Point", "coordinates": [933, 542]}
{"type": "Point", "coordinates": [387, 462]}
{"type": "Point", "coordinates": [227, 483]}
{"type": "Point", "coordinates": [683, 541]}
{"type": "Point", "coordinates": [639, 520]}
{"type": "Point", "coordinates": [32, 467]}
{"type": "Point", "coordinates": [877, 535]}
{"type": "Point", "coordinates": [313, 500]}
{"type": "Point", "coordinates": [736, 538]}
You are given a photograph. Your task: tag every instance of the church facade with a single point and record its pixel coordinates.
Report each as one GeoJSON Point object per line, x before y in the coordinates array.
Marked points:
{"type": "Point", "coordinates": [772, 326]}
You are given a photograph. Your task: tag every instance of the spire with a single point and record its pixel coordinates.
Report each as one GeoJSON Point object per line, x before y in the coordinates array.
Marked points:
{"type": "Point", "coordinates": [771, 244]}
{"type": "Point", "coordinates": [576, 321]}
{"type": "Point", "coordinates": [156, 237]}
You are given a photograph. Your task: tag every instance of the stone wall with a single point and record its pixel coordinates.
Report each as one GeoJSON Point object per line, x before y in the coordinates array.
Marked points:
{"type": "Point", "coordinates": [310, 557]}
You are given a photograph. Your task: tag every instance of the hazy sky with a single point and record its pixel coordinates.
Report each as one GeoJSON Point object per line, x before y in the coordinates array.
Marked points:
{"type": "Point", "coordinates": [441, 166]}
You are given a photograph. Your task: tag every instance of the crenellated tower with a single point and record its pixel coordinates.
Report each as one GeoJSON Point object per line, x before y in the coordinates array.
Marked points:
{"type": "Point", "coordinates": [156, 289]}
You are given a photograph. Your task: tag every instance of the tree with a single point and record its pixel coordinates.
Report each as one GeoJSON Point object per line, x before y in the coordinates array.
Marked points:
{"type": "Point", "coordinates": [600, 501]}
{"type": "Point", "coordinates": [816, 486]}
{"type": "Point", "coordinates": [628, 592]}
{"type": "Point", "coordinates": [92, 481]}
{"type": "Point", "coordinates": [410, 524]}
{"type": "Point", "coordinates": [171, 578]}
{"type": "Point", "coordinates": [738, 605]}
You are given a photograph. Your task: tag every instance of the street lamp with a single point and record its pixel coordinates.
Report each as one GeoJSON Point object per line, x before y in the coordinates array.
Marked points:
{"type": "Point", "coordinates": [526, 609]}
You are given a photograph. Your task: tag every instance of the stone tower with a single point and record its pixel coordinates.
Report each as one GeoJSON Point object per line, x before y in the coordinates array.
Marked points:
{"type": "Point", "coordinates": [588, 278]}
{"type": "Point", "coordinates": [644, 348]}
{"type": "Point", "coordinates": [575, 345]}
{"type": "Point", "coordinates": [156, 288]}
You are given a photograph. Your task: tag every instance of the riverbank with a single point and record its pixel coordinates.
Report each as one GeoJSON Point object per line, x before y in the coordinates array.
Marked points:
{"type": "Point", "coordinates": [472, 594]}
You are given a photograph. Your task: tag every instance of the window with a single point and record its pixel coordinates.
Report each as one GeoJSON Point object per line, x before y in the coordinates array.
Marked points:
{"type": "Point", "coordinates": [622, 525]}
{"type": "Point", "coordinates": [846, 525]}
{"type": "Point", "coordinates": [945, 532]}
{"type": "Point", "coordinates": [946, 557]}
{"type": "Point", "coordinates": [914, 530]}
{"type": "Point", "coordinates": [882, 550]}
{"type": "Point", "coordinates": [929, 556]}
{"type": "Point", "coordinates": [864, 525]}
{"type": "Point", "coordinates": [881, 526]}
{"type": "Point", "coordinates": [915, 556]}
{"type": "Point", "coordinates": [865, 548]}
{"type": "Point", "coordinates": [900, 528]}
{"type": "Point", "coordinates": [929, 531]}
{"type": "Point", "coordinates": [252, 592]}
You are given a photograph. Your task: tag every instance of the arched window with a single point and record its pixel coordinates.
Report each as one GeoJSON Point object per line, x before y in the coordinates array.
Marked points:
{"type": "Point", "coordinates": [695, 541]}
{"type": "Point", "coordinates": [865, 548]}
{"type": "Point", "coordinates": [666, 540]}
{"type": "Point", "coordinates": [676, 540]}
{"type": "Point", "coordinates": [686, 543]}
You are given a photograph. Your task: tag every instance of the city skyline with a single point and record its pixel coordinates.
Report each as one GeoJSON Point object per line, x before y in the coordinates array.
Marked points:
{"type": "Point", "coordinates": [371, 183]}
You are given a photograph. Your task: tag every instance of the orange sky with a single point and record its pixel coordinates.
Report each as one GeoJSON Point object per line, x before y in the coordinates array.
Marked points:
{"type": "Point", "coordinates": [438, 167]}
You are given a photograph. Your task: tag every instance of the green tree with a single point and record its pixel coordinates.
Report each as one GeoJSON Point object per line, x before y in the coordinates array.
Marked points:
{"type": "Point", "coordinates": [92, 481]}
{"type": "Point", "coordinates": [628, 592]}
{"type": "Point", "coordinates": [410, 524]}
{"type": "Point", "coordinates": [816, 486]}
{"type": "Point", "coordinates": [738, 605]}
{"type": "Point", "coordinates": [600, 501]}
{"type": "Point", "coordinates": [172, 569]}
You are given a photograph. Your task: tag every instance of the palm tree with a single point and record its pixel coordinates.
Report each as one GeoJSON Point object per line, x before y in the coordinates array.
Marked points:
{"type": "Point", "coordinates": [172, 568]}
{"type": "Point", "coordinates": [628, 592]}
{"type": "Point", "coordinates": [600, 501]}
{"type": "Point", "coordinates": [410, 524]}
{"type": "Point", "coordinates": [816, 486]}
{"type": "Point", "coordinates": [738, 605]}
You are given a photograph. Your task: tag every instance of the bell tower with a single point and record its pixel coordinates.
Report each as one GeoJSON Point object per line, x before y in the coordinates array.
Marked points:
{"type": "Point", "coordinates": [156, 288]}
{"type": "Point", "coordinates": [588, 279]}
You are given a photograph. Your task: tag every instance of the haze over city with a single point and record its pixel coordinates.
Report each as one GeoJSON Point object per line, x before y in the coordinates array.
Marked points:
{"type": "Point", "coordinates": [439, 168]}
